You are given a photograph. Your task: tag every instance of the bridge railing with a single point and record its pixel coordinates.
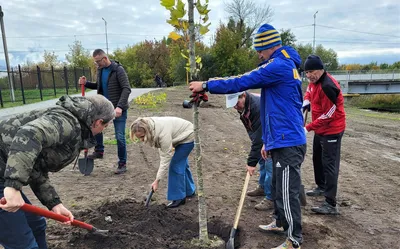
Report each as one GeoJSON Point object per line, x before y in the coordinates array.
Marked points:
{"type": "Point", "coordinates": [366, 74]}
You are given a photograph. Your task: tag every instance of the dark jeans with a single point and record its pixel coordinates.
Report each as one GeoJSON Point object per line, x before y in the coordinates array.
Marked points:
{"type": "Point", "coordinates": [119, 127]}
{"type": "Point", "coordinates": [21, 230]}
{"type": "Point", "coordinates": [286, 181]}
{"type": "Point", "coordinates": [326, 161]}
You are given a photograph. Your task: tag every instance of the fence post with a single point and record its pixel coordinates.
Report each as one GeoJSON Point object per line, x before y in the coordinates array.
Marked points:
{"type": "Point", "coordinates": [22, 84]}
{"type": "Point", "coordinates": [90, 75]}
{"type": "Point", "coordinates": [54, 81]}
{"type": "Point", "coordinates": [1, 99]}
{"type": "Point", "coordinates": [13, 78]}
{"type": "Point", "coordinates": [40, 82]}
{"type": "Point", "coordinates": [76, 79]}
{"type": "Point", "coordinates": [66, 78]}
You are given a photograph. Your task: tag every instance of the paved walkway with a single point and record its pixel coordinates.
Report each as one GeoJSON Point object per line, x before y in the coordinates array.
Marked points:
{"type": "Point", "coordinates": [5, 112]}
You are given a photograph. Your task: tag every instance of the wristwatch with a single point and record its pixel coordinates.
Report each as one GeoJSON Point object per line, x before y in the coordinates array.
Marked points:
{"type": "Point", "coordinates": [205, 86]}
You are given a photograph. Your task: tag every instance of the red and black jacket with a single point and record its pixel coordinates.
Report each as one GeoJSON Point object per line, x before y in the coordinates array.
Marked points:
{"type": "Point", "coordinates": [327, 106]}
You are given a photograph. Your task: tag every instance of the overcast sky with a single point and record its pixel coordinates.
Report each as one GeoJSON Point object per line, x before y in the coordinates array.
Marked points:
{"type": "Point", "coordinates": [359, 31]}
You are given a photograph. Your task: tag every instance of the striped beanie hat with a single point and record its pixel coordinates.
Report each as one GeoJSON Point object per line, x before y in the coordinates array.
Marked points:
{"type": "Point", "coordinates": [267, 37]}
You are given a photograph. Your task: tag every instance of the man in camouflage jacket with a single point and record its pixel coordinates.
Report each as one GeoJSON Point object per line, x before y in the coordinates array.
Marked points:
{"type": "Point", "coordinates": [34, 144]}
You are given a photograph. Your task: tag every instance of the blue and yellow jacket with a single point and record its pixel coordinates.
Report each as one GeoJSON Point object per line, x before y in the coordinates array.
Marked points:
{"type": "Point", "coordinates": [282, 121]}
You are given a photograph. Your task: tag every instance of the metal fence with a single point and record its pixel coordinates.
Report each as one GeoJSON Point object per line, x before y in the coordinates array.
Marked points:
{"type": "Point", "coordinates": [33, 84]}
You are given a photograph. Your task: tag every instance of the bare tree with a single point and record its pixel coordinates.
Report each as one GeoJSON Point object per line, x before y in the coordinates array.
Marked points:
{"type": "Point", "coordinates": [247, 14]}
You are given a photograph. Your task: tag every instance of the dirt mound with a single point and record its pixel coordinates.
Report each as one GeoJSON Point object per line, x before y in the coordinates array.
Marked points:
{"type": "Point", "coordinates": [131, 225]}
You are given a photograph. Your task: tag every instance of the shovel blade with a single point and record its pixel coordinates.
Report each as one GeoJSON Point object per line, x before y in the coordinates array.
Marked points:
{"type": "Point", "coordinates": [149, 198]}
{"type": "Point", "coordinates": [86, 165]}
{"type": "Point", "coordinates": [230, 244]}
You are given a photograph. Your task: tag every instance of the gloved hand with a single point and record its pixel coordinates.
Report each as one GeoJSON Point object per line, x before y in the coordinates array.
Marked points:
{"type": "Point", "coordinates": [198, 97]}
{"type": "Point", "coordinates": [306, 106]}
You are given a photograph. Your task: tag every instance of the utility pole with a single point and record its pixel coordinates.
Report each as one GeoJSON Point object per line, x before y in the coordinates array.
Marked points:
{"type": "Point", "coordinates": [10, 80]}
{"type": "Point", "coordinates": [105, 25]}
{"type": "Point", "coordinates": [313, 47]}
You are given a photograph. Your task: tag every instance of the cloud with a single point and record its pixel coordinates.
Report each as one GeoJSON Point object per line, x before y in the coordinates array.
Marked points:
{"type": "Point", "coordinates": [348, 27]}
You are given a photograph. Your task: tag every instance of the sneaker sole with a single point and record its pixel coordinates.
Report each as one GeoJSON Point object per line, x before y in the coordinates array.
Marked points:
{"type": "Point", "coordinates": [271, 231]}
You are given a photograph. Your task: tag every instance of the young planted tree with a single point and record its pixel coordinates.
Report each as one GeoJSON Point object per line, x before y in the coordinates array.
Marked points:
{"type": "Point", "coordinates": [190, 28]}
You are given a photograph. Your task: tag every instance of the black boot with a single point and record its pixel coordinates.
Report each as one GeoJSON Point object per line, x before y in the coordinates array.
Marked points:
{"type": "Point", "coordinates": [176, 203]}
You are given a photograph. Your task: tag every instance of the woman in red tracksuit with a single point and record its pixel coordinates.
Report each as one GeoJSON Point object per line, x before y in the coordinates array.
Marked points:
{"type": "Point", "coordinates": [328, 124]}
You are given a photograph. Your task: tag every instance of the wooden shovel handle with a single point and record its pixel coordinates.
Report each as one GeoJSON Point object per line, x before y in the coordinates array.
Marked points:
{"type": "Point", "coordinates": [305, 118]}
{"type": "Point", "coordinates": [240, 207]}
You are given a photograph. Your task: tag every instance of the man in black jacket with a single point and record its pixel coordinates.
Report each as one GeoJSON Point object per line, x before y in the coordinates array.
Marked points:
{"type": "Point", "coordinates": [248, 106]}
{"type": "Point", "coordinates": [112, 82]}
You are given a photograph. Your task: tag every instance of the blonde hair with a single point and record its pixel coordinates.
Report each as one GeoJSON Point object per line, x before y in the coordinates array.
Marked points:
{"type": "Point", "coordinates": [142, 125]}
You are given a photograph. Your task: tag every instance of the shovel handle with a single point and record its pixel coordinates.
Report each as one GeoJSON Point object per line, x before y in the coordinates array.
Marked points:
{"type": "Point", "coordinates": [305, 118]}
{"type": "Point", "coordinates": [51, 215]}
{"type": "Point", "coordinates": [83, 89]}
{"type": "Point", "coordinates": [240, 207]}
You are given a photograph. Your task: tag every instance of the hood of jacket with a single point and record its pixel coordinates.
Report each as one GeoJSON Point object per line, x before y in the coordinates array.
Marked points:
{"type": "Point", "coordinates": [80, 107]}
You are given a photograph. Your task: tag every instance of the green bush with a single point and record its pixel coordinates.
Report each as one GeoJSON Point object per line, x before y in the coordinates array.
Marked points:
{"type": "Point", "coordinates": [388, 102]}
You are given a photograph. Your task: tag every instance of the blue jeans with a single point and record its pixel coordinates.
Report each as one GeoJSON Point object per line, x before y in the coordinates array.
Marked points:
{"type": "Point", "coordinates": [119, 127]}
{"type": "Point", "coordinates": [265, 179]}
{"type": "Point", "coordinates": [180, 179]}
{"type": "Point", "coordinates": [21, 230]}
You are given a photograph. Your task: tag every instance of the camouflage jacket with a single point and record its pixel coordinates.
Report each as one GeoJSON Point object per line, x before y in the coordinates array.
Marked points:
{"type": "Point", "coordinates": [36, 143]}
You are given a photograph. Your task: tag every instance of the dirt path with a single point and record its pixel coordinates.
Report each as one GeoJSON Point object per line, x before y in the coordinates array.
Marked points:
{"type": "Point", "coordinates": [368, 192]}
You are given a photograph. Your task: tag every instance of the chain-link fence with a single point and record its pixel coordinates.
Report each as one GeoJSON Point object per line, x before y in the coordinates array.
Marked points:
{"type": "Point", "coordinates": [33, 84]}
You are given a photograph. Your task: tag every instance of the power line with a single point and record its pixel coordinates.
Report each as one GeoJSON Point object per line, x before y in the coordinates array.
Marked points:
{"type": "Point", "coordinates": [356, 31]}
{"type": "Point", "coordinates": [71, 36]}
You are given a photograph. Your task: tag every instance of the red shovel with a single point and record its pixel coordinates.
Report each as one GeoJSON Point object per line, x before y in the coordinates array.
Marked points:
{"type": "Point", "coordinates": [85, 164]}
{"type": "Point", "coordinates": [58, 217]}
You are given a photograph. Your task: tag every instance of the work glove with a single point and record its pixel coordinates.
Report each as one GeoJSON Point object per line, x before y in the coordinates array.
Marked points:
{"type": "Point", "coordinates": [198, 97]}
{"type": "Point", "coordinates": [306, 106]}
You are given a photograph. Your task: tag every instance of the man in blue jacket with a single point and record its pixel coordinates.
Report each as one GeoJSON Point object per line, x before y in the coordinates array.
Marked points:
{"type": "Point", "coordinates": [282, 123]}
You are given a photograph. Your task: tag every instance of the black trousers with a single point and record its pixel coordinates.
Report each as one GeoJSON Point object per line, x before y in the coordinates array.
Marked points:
{"type": "Point", "coordinates": [326, 161]}
{"type": "Point", "coordinates": [286, 181]}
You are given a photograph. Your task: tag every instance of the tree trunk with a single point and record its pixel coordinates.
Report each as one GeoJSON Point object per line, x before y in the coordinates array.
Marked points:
{"type": "Point", "coordinates": [203, 230]}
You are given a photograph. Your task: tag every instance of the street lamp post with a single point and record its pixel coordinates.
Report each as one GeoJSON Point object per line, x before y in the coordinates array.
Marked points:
{"type": "Point", "coordinates": [9, 73]}
{"type": "Point", "coordinates": [105, 26]}
{"type": "Point", "coordinates": [313, 47]}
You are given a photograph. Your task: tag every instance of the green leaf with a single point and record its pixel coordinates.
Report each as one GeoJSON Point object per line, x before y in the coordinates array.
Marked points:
{"type": "Point", "coordinates": [187, 69]}
{"type": "Point", "coordinates": [180, 7]}
{"type": "Point", "coordinates": [168, 4]}
{"type": "Point", "coordinates": [184, 56]}
{"type": "Point", "coordinates": [205, 18]}
{"type": "Point", "coordinates": [198, 59]}
{"type": "Point", "coordinates": [184, 25]}
{"type": "Point", "coordinates": [200, 65]}
{"type": "Point", "coordinates": [202, 9]}
{"type": "Point", "coordinates": [204, 29]}
{"type": "Point", "coordinates": [174, 22]}
{"type": "Point", "coordinates": [174, 36]}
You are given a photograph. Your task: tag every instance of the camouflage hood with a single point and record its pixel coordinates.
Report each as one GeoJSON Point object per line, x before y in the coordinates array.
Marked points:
{"type": "Point", "coordinates": [80, 107]}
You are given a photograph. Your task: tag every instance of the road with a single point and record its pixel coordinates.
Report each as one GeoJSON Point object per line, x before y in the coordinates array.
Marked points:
{"type": "Point", "coordinates": [6, 112]}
